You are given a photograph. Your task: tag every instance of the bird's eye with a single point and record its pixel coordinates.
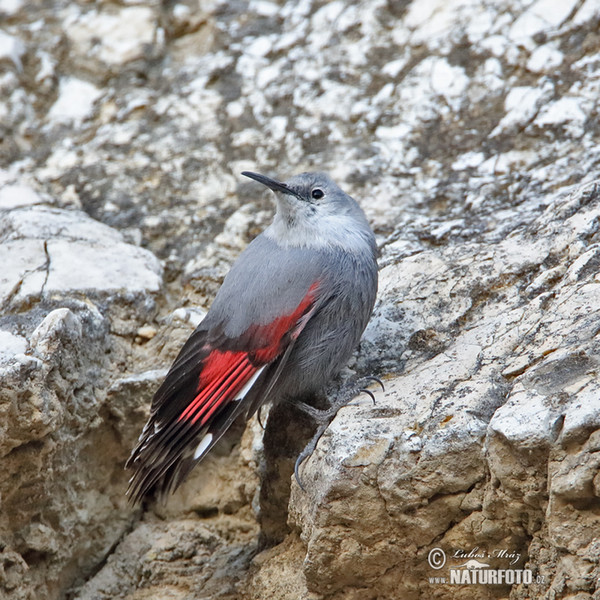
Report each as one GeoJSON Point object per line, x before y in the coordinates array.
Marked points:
{"type": "Point", "coordinates": [317, 193]}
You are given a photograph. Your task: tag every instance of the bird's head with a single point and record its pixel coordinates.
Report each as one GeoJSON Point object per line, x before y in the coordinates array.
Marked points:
{"type": "Point", "coordinates": [313, 211]}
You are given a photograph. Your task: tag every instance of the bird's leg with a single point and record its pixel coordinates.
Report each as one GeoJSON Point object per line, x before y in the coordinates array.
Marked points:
{"type": "Point", "coordinates": [324, 417]}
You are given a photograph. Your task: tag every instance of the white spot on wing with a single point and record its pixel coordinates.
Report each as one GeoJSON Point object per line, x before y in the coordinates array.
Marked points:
{"type": "Point", "coordinates": [247, 387]}
{"type": "Point", "coordinates": [203, 445]}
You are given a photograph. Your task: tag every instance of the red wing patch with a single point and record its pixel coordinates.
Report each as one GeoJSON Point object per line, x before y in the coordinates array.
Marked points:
{"type": "Point", "coordinates": [222, 377]}
{"type": "Point", "coordinates": [275, 331]}
{"type": "Point", "coordinates": [194, 406]}
{"type": "Point", "coordinates": [224, 373]}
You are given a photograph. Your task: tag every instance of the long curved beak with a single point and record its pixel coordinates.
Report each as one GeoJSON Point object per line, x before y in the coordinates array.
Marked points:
{"type": "Point", "coordinates": [273, 184]}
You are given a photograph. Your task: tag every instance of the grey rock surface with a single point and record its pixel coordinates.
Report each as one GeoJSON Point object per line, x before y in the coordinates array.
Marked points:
{"type": "Point", "coordinates": [73, 296]}
{"type": "Point", "coordinates": [468, 131]}
{"type": "Point", "coordinates": [470, 448]}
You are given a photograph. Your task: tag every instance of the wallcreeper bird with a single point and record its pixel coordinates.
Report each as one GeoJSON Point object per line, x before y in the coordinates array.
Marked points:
{"type": "Point", "coordinates": [285, 321]}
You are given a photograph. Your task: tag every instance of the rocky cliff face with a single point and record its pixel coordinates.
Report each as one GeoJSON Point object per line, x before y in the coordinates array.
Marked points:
{"type": "Point", "coordinates": [468, 131]}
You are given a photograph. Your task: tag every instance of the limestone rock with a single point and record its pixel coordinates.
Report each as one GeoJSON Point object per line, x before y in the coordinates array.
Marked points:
{"type": "Point", "coordinates": [467, 130]}
{"type": "Point", "coordinates": [113, 36]}
{"type": "Point", "coordinates": [57, 254]}
{"type": "Point", "coordinates": [70, 290]}
{"type": "Point", "coordinates": [473, 447]}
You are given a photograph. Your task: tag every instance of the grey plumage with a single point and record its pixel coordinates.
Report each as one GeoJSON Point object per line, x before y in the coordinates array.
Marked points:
{"type": "Point", "coordinates": [285, 321]}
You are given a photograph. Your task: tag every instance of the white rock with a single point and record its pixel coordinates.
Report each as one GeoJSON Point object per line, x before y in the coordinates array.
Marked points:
{"type": "Point", "coordinates": [545, 58]}
{"type": "Point", "coordinates": [587, 12]}
{"type": "Point", "coordinates": [53, 251]}
{"type": "Point", "coordinates": [448, 81]}
{"type": "Point", "coordinates": [76, 265]}
{"type": "Point", "coordinates": [508, 161]}
{"type": "Point", "coordinates": [58, 325]}
{"type": "Point", "coordinates": [11, 48]}
{"type": "Point", "coordinates": [393, 68]}
{"type": "Point", "coordinates": [497, 44]}
{"type": "Point", "coordinates": [568, 109]}
{"type": "Point", "coordinates": [395, 132]}
{"type": "Point", "coordinates": [11, 345]}
{"type": "Point", "coordinates": [468, 160]}
{"type": "Point", "coordinates": [582, 414]}
{"type": "Point", "coordinates": [15, 195]}
{"type": "Point", "coordinates": [114, 38]}
{"type": "Point", "coordinates": [153, 376]}
{"type": "Point", "coordinates": [521, 104]}
{"type": "Point", "coordinates": [264, 8]}
{"type": "Point", "coordinates": [44, 223]}
{"type": "Point", "coordinates": [526, 420]}
{"type": "Point", "coordinates": [235, 109]}
{"type": "Point", "coordinates": [75, 101]}
{"type": "Point", "coordinates": [23, 260]}
{"type": "Point", "coordinates": [428, 17]}
{"type": "Point", "coordinates": [540, 16]}
{"type": "Point", "coordinates": [259, 47]}
{"type": "Point", "coordinates": [10, 7]}
{"type": "Point", "coordinates": [47, 67]}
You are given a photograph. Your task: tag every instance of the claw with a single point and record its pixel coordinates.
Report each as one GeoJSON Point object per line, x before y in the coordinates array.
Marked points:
{"type": "Point", "coordinates": [369, 393]}
{"type": "Point", "coordinates": [324, 418]}
{"type": "Point", "coordinates": [259, 417]}
{"type": "Point", "coordinates": [308, 450]}
{"type": "Point", "coordinates": [299, 461]}
{"type": "Point", "coordinates": [376, 380]}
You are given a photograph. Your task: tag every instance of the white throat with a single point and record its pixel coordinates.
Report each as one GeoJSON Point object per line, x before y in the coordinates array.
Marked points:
{"type": "Point", "coordinates": [323, 231]}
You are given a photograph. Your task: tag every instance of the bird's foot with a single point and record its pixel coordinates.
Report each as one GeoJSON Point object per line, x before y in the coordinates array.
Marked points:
{"type": "Point", "coordinates": [323, 417]}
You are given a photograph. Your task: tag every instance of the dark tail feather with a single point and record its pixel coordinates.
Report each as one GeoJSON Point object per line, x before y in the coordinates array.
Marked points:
{"type": "Point", "coordinates": [162, 460]}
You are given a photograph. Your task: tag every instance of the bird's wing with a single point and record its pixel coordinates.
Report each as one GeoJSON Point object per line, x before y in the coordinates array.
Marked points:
{"type": "Point", "coordinates": [205, 391]}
